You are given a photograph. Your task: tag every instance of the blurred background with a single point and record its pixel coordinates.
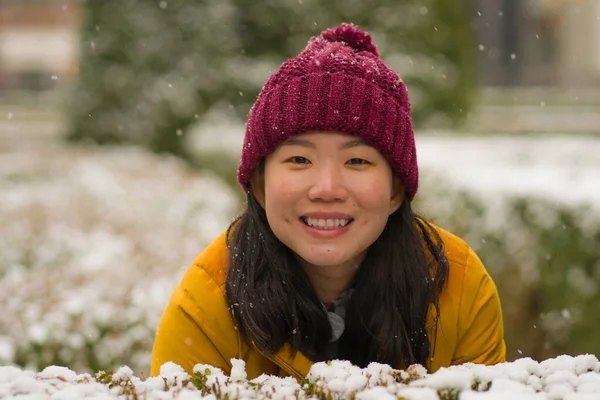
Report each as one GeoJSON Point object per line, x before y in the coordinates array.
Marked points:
{"type": "Point", "coordinates": [121, 123]}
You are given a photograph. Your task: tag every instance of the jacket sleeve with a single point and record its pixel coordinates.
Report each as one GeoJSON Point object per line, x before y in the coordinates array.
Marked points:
{"type": "Point", "coordinates": [181, 340]}
{"type": "Point", "coordinates": [480, 326]}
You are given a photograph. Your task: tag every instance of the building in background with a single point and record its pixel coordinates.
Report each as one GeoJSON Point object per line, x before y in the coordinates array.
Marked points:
{"type": "Point", "coordinates": [538, 60]}
{"type": "Point", "coordinates": [520, 42]}
{"type": "Point", "coordinates": [38, 43]}
{"type": "Point", "coordinates": [539, 66]}
{"type": "Point", "coordinates": [538, 42]}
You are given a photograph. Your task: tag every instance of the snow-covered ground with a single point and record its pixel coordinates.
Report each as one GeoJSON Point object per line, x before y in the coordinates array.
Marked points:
{"type": "Point", "coordinates": [562, 378]}
{"type": "Point", "coordinates": [92, 243]}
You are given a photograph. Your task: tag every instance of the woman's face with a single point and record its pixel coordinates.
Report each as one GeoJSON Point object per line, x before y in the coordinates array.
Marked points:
{"type": "Point", "coordinates": [328, 196]}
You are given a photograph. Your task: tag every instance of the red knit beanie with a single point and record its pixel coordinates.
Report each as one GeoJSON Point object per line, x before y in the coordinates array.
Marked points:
{"type": "Point", "coordinates": [337, 83]}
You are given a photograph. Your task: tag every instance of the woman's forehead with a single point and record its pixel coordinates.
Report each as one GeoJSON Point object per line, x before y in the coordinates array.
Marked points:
{"type": "Point", "coordinates": [312, 139]}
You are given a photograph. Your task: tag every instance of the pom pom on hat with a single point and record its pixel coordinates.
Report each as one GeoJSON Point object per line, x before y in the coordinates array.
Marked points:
{"type": "Point", "coordinates": [350, 35]}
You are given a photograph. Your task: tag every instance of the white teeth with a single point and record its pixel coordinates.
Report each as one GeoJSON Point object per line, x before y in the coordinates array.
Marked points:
{"type": "Point", "coordinates": [326, 223]}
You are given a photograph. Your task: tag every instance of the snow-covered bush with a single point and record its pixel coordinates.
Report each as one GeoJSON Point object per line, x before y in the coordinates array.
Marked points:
{"type": "Point", "coordinates": [529, 206]}
{"type": "Point", "coordinates": [92, 244]}
{"type": "Point", "coordinates": [564, 378]}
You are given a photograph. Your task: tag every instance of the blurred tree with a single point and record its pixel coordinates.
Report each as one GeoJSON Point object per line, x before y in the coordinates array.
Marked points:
{"type": "Point", "coordinates": [149, 68]}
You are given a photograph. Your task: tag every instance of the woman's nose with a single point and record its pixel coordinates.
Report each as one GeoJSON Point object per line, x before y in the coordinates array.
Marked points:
{"type": "Point", "coordinates": [328, 185]}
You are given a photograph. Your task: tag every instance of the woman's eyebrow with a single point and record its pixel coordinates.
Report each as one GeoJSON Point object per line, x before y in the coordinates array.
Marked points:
{"type": "Point", "coordinates": [353, 143]}
{"type": "Point", "coordinates": [299, 142]}
{"type": "Point", "coordinates": [308, 144]}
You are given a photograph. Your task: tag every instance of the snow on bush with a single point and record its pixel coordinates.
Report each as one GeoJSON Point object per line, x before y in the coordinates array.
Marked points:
{"type": "Point", "coordinates": [564, 378]}
{"type": "Point", "coordinates": [93, 243]}
{"type": "Point", "coordinates": [558, 168]}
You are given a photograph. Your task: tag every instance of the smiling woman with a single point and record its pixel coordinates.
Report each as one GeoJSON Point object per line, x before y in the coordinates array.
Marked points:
{"type": "Point", "coordinates": [329, 261]}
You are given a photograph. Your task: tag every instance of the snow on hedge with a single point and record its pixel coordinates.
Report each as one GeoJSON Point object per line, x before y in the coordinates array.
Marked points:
{"type": "Point", "coordinates": [564, 378]}
{"type": "Point", "coordinates": [93, 242]}
{"type": "Point", "coordinates": [561, 168]}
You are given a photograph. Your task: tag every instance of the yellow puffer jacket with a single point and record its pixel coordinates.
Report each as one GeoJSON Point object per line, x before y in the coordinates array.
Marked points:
{"type": "Point", "coordinates": [196, 327]}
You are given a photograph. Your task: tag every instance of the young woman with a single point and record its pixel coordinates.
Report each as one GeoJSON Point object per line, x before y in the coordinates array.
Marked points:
{"type": "Point", "coordinates": [329, 261]}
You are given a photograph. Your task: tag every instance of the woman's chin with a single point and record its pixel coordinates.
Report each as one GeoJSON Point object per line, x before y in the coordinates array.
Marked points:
{"type": "Point", "coordinates": [327, 259]}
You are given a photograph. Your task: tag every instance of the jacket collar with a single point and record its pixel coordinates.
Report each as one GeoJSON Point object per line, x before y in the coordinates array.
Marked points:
{"type": "Point", "coordinates": [296, 365]}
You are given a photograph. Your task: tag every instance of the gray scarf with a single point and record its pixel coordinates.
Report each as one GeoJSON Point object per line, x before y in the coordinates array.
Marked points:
{"type": "Point", "coordinates": [338, 315]}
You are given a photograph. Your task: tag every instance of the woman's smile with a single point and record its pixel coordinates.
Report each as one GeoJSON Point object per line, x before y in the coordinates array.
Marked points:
{"type": "Point", "coordinates": [326, 228]}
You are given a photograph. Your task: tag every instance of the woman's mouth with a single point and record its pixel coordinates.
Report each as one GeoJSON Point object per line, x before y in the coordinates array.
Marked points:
{"type": "Point", "coordinates": [326, 223]}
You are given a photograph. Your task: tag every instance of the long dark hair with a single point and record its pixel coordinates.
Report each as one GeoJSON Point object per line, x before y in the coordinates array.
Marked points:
{"type": "Point", "coordinates": [272, 301]}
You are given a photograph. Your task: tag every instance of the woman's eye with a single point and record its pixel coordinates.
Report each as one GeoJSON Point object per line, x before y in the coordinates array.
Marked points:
{"type": "Point", "coordinates": [298, 160]}
{"type": "Point", "coordinates": [358, 161]}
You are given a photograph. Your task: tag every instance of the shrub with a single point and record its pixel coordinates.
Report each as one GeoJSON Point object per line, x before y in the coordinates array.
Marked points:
{"type": "Point", "coordinates": [562, 377]}
{"type": "Point", "coordinates": [93, 243]}
{"type": "Point", "coordinates": [544, 257]}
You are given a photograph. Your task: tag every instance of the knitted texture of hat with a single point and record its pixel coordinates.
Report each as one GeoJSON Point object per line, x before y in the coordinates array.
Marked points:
{"type": "Point", "coordinates": [337, 83]}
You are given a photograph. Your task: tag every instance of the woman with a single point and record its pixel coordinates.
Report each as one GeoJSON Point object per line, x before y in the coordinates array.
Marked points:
{"type": "Point", "coordinates": [329, 261]}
